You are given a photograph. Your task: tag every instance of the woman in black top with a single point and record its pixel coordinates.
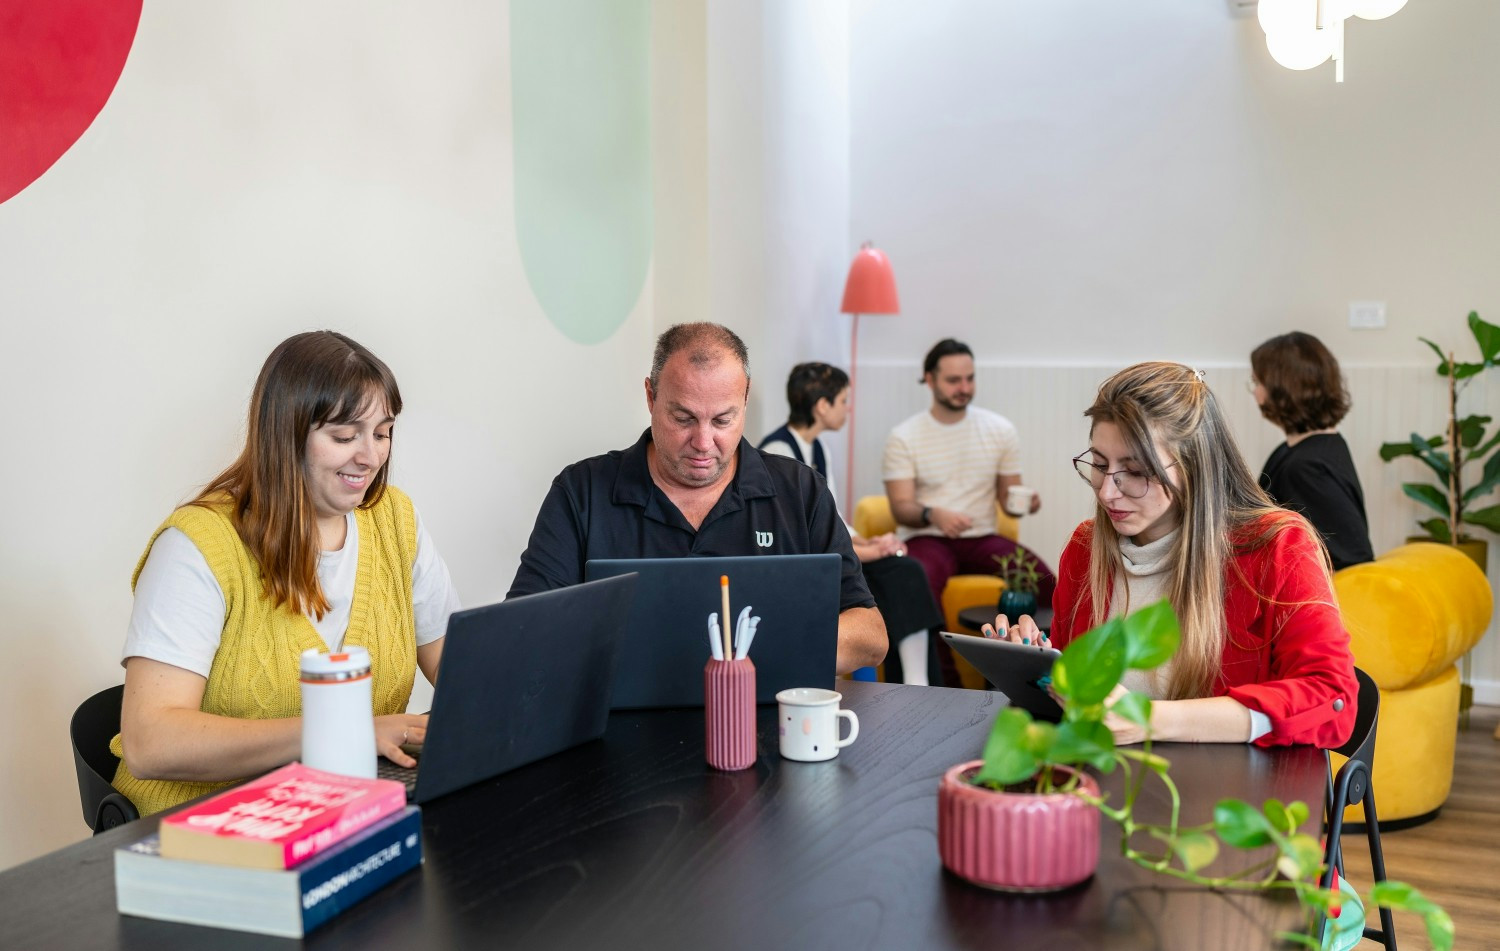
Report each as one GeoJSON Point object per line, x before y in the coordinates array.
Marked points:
{"type": "Point", "coordinates": [1298, 386]}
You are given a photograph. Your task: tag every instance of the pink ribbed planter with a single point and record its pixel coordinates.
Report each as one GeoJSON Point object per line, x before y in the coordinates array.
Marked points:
{"type": "Point", "coordinates": [1016, 841]}
{"type": "Point", "coordinates": [729, 713]}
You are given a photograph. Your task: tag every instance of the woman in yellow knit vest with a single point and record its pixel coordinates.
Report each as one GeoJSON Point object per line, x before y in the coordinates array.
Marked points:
{"type": "Point", "coordinates": [299, 544]}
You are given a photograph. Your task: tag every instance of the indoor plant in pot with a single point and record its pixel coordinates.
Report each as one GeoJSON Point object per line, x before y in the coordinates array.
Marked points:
{"type": "Point", "coordinates": [1461, 444]}
{"type": "Point", "coordinates": [1022, 576]}
{"type": "Point", "coordinates": [1033, 785]}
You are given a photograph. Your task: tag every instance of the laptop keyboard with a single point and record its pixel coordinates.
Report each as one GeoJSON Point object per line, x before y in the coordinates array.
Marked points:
{"type": "Point", "coordinates": [405, 775]}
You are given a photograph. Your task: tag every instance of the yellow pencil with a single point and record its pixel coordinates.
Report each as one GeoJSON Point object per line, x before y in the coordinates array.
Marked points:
{"type": "Point", "coordinates": [724, 598]}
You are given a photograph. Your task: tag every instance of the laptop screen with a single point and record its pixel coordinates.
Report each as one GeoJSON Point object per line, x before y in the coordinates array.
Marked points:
{"type": "Point", "coordinates": [666, 631]}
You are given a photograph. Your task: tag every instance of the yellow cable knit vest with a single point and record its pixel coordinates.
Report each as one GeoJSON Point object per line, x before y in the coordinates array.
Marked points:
{"type": "Point", "coordinates": [256, 672]}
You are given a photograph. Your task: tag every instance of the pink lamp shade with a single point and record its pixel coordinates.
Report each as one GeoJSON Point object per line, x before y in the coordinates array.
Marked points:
{"type": "Point", "coordinates": [871, 288]}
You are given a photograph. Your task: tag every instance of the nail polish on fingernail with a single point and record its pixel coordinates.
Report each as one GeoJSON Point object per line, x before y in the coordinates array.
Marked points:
{"type": "Point", "coordinates": [1025, 640]}
{"type": "Point", "coordinates": [1044, 681]}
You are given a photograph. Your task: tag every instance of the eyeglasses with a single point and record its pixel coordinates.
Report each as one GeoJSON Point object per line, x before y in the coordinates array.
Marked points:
{"type": "Point", "coordinates": [1132, 484]}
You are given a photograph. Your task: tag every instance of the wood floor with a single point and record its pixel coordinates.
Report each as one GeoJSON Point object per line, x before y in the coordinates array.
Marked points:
{"type": "Point", "coordinates": [1454, 859]}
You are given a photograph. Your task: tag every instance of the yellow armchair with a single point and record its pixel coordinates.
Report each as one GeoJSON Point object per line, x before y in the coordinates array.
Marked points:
{"type": "Point", "coordinates": [872, 516]}
{"type": "Point", "coordinates": [1411, 614]}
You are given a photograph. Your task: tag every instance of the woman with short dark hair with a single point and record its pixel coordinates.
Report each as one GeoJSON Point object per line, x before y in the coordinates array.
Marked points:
{"type": "Point", "coordinates": [1299, 388]}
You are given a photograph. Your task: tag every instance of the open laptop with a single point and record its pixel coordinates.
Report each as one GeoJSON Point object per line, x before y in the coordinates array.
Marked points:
{"type": "Point", "coordinates": [519, 681]}
{"type": "Point", "coordinates": [666, 630]}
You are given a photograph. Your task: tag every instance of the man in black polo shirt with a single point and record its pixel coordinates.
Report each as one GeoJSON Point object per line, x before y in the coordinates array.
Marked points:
{"type": "Point", "coordinates": [692, 485]}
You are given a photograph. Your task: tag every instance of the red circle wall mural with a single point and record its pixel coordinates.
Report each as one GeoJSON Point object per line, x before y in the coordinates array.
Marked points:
{"type": "Point", "coordinates": [59, 61]}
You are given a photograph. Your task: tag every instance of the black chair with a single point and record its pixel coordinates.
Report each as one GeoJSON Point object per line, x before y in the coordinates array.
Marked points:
{"type": "Point", "coordinates": [1351, 785]}
{"type": "Point", "coordinates": [95, 723]}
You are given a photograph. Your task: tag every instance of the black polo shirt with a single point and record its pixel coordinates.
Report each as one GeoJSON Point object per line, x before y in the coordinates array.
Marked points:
{"type": "Point", "coordinates": [609, 507]}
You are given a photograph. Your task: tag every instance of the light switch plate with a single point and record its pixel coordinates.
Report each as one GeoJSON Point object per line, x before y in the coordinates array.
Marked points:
{"type": "Point", "coordinates": [1367, 314]}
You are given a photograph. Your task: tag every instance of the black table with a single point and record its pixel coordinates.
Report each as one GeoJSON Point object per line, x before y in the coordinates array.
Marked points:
{"type": "Point", "coordinates": [631, 841]}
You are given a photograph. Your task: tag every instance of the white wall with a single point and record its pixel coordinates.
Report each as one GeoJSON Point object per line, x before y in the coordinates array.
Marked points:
{"type": "Point", "coordinates": [1080, 185]}
{"type": "Point", "coordinates": [264, 169]}
{"type": "Point", "coordinates": [1076, 180]}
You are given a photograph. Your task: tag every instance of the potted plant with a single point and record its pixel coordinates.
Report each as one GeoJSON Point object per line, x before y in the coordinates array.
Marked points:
{"type": "Point", "coordinates": [1022, 576]}
{"type": "Point", "coordinates": [1461, 444]}
{"type": "Point", "coordinates": [1033, 777]}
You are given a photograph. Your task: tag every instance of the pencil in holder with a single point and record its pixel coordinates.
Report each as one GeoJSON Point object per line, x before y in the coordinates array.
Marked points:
{"type": "Point", "coordinates": [729, 713]}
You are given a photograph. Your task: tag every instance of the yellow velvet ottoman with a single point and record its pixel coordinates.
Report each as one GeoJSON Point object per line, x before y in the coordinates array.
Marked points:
{"type": "Point", "coordinates": [1411, 614]}
{"type": "Point", "coordinates": [872, 517]}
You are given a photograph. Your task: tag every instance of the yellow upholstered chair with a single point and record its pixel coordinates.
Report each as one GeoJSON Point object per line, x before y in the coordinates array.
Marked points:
{"type": "Point", "coordinates": [872, 516]}
{"type": "Point", "coordinates": [1411, 614]}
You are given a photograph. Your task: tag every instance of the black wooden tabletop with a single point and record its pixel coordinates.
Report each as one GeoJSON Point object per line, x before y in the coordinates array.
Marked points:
{"type": "Point", "coordinates": [633, 842]}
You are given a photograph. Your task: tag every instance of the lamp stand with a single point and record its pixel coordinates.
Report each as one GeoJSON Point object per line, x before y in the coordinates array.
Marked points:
{"type": "Point", "coordinates": [853, 392]}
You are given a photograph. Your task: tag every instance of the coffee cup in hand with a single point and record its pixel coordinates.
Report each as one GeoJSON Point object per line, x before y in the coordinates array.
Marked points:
{"type": "Point", "coordinates": [808, 721]}
{"type": "Point", "coordinates": [1018, 500]}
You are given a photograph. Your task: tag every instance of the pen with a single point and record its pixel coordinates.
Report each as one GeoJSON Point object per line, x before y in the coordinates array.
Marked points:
{"type": "Point", "coordinates": [715, 644]}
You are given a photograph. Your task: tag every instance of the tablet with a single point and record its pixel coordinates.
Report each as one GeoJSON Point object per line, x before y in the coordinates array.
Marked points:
{"type": "Point", "coordinates": [1014, 669]}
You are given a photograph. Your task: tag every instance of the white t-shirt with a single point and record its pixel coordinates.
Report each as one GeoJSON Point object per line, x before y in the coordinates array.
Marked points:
{"type": "Point", "coordinates": [178, 613]}
{"type": "Point", "coordinates": [954, 464]}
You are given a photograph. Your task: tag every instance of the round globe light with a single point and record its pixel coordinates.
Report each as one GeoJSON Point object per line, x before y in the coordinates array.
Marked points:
{"type": "Point", "coordinates": [1376, 9]}
{"type": "Point", "coordinates": [1284, 16]}
{"type": "Point", "coordinates": [1302, 49]}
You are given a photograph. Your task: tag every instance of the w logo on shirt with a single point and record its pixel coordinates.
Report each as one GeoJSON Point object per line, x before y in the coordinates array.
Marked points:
{"type": "Point", "coordinates": [764, 539]}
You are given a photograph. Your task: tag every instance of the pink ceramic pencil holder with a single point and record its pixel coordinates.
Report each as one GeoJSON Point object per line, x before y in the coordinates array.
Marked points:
{"type": "Point", "coordinates": [729, 713]}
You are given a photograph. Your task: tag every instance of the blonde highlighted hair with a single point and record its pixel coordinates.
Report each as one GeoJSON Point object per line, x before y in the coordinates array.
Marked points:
{"type": "Point", "coordinates": [1223, 510]}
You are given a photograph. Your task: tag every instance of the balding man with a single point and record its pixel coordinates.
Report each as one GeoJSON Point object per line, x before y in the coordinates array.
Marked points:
{"type": "Point", "coordinates": [693, 486]}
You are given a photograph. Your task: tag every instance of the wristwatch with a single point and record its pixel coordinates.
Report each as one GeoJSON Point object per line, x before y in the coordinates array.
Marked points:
{"type": "Point", "coordinates": [926, 515]}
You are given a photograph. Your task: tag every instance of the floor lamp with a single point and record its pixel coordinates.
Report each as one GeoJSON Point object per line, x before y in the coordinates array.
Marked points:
{"type": "Point", "coordinates": [870, 289]}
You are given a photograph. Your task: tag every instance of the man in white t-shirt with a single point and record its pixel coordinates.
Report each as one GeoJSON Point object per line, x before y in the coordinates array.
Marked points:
{"type": "Point", "coordinates": [945, 468]}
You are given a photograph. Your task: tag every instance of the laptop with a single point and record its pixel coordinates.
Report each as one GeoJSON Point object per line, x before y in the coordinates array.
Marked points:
{"type": "Point", "coordinates": [1015, 670]}
{"type": "Point", "coordinates": [520, 680]}
{"type": "Point", "coordinates": [666, 629]}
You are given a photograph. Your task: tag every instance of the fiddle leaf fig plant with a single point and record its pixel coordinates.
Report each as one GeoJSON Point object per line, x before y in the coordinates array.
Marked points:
{"type": "Point", "coordinates": [1461, 444]}
{"type": "Point", "coordinates": [1022, 755]}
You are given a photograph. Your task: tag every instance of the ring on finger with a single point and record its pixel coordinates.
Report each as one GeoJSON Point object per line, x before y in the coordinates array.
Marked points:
{"type": "Point", "coordinates": [404, 733]}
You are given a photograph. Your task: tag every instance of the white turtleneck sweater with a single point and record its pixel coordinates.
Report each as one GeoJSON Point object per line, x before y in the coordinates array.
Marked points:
{"type": "Point", "coordinates": [1142, 580]}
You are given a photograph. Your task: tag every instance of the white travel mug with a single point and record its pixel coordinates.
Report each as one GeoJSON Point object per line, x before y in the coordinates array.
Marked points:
{"type": "Point", "coordinates": [338, 722]}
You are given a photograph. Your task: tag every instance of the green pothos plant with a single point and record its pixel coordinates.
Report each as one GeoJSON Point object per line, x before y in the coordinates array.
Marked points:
{"type": "Point", "coordinates": [1024, 754]}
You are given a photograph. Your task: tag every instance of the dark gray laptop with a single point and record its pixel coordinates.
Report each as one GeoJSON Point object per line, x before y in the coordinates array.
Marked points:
{"type": "Point", "coordinates": [519, 681]}
{"type": "Point", "coordinates": [666, 631]}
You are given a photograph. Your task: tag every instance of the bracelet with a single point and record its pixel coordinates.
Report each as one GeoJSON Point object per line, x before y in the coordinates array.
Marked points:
{"type": "Point", "coordinates": [926, 515]}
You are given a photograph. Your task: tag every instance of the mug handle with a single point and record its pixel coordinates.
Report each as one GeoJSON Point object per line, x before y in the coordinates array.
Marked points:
{"type": "Point", "coordinates": [853, 728]}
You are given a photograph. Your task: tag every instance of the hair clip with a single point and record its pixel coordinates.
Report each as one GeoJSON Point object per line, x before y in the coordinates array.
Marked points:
{"type": "Point", "coordinates": [1199, 374]}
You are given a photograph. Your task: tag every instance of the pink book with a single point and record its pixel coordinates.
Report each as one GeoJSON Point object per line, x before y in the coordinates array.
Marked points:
{"type": "Point", "coordinates": [279, 820]}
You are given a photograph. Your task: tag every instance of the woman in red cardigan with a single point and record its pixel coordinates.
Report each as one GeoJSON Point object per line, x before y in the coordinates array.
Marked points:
{"type": "Point", "coordinates": [1264, 655]}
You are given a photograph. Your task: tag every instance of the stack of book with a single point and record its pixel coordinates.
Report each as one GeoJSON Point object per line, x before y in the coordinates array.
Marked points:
{"type": "Point", "coordinates": [279, 855]}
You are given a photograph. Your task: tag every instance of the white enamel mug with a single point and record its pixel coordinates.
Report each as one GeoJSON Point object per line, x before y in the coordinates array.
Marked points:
{"type": "Point", "coordinates": [808, 721]}
{"type": "Point", "coordinates": [1018, 500]}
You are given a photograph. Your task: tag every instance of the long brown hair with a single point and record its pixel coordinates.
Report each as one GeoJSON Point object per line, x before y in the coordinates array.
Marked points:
{"type": "Point", "coordinates": [310, 380]}
{"type": "Point", "coordinates": [1223, 509]}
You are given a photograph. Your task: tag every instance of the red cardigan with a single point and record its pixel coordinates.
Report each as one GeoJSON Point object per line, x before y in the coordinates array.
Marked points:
{"type": "Point", "coordinates": [1287, 654]}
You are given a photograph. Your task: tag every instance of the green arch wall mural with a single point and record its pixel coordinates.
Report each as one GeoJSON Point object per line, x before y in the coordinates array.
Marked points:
{"type": "Point", "coordinates": [59, 61]}
{"type": "Point", "coordinates": [581, 107]}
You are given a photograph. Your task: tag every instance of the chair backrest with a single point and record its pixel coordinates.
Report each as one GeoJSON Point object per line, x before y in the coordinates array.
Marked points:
{"type": "Point", "coordinates": [1361, 742]}
{"type": "Point", "coordinates": [1351, 785]}
{"type": "Point", "coordinates": [872, 517]}
{"type": "Point", "coordinates": [94, 724]}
